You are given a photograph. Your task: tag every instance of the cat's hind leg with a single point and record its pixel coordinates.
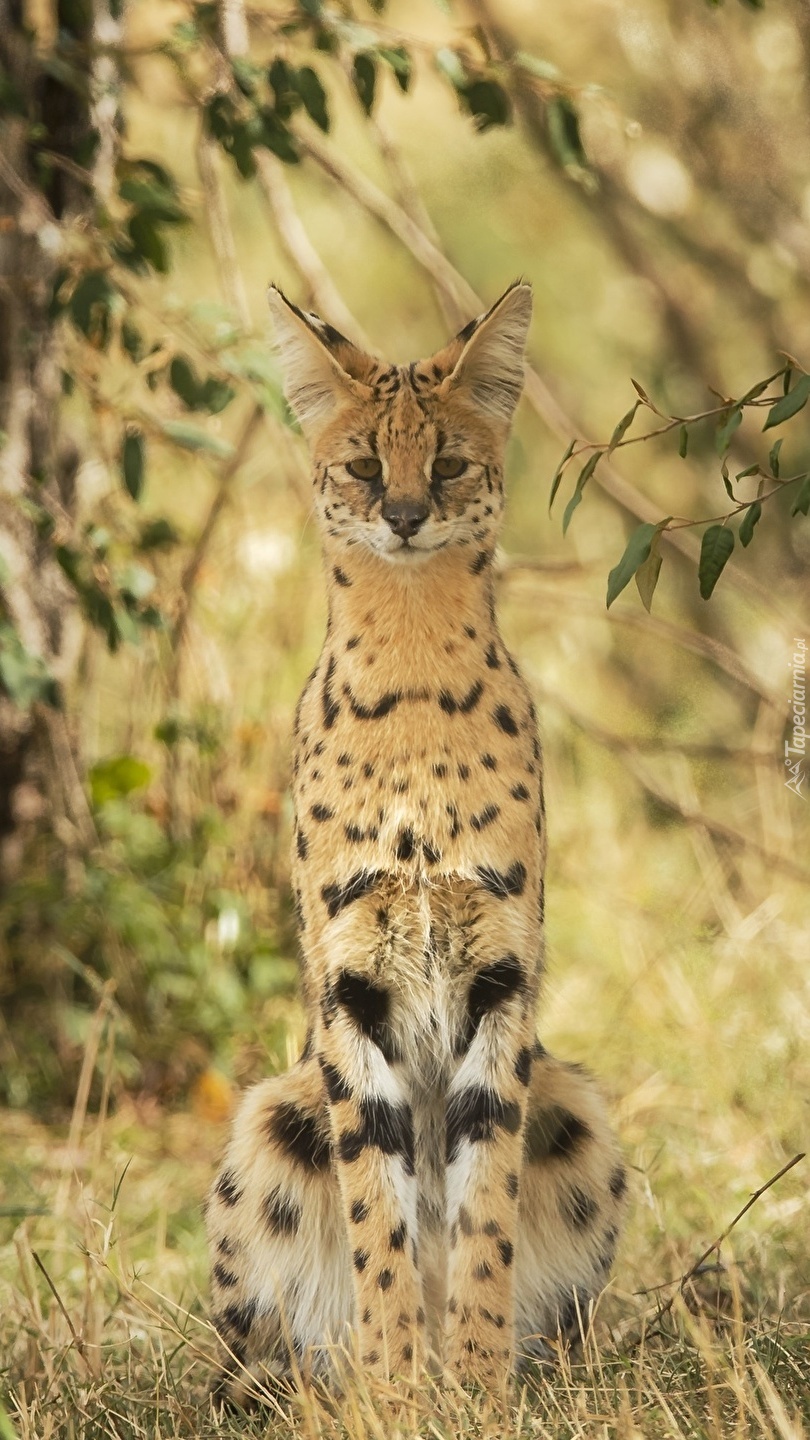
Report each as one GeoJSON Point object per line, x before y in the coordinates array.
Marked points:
{"type": "Point", "coordinates": [571, 1202]}
{"type": "Point", "coordinates": [280, 1269]}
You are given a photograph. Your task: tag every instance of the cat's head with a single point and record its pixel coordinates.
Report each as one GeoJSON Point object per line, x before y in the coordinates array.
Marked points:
{"type": "Point", "coordinates": [408, 460]}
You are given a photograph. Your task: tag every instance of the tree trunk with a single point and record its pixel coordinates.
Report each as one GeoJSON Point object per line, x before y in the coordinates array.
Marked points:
{"type": "Point", "coordinates": [47, 116]}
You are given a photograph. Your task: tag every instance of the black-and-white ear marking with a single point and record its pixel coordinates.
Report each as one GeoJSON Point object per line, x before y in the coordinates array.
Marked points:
{"type": "Point", "coordinates": [314, 379]}
{"type": "Point", "coordinates": [491, 365]}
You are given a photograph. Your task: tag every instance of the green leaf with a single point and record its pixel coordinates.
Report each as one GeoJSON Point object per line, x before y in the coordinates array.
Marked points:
{"type": "Point", "coordinates": [558, 474]}
{"type": "Point", "coordinates": [132, 462]}
{"type": "Point", "coordinates": [90, 306]}
{"type": "Point", "coordinates": [725, 431]}
{"type": "Point", "coordinates": [584, 476]}
{"type": "Point", "coordinates": [147, 241]}
{"type": "Point", "coordinates": [790, 404]}
{"type": "Point", "coordinates": [564, 135]}
{"type": "Point", "coordinates": [715, 550]}
{"type": "Point", "coordinates": [622, 428]}
{"type": "Point", "coordinates": [190, 437]}
{"type": "Point", "coordinates": [24, 678]}
{"type": "Point", "coordinates": [773, 458]}
{"type": "Point", "coordinates": [132, 341]}
{"type": "Point", "coordinates": [154, 198]}
{"type": "Point", "coordinates": [364, 77]}
{"type": "Point", "coordinates": [743, 474]}
{"type": "Point", "coordinates": [449, 63]}
{"type": "Point", "coordinates": [184, 381]}
{"type": "Point", "coordinates": [309, 87]}
{"type": "Point", "coordinates": [157, 534]}
{"type": "Point", "coordinates": [683, 441]}
{"type": "Point", "coordinates": [727, 482]}
{"type": "Point", "coordinates": [748, 522]}
{"type": "Point", "coordinates": [636, 552]}
{"type": "Point", "coordinates": [276, 137]}
{"type": "Point", "coordinates": [802, 503]}
{"type": "Point", "coordinates": [646, 577]}
{"type": "Point", "coordinates": [220, 115]}
{"type": "Point", "coordinates": [401, 64]}
{"type": "Point", "coordinates": [117, 777]}
{"type": "Point", "coordinates": [283, 79]}
{"type": "Point", "coordinates": [487, 102]}
{"type": "Point", "coordinates": [215, 395]}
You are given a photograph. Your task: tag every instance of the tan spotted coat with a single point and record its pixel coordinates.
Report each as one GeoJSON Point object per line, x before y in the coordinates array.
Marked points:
{"type": "Point", "coordinates": [427, 1182]}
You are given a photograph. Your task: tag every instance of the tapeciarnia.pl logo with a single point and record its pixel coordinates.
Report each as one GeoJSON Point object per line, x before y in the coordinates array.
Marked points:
{"type": "Point", "coordinates": [796, 745]}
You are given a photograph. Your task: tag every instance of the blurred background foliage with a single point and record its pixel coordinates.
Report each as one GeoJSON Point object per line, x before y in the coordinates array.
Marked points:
{"type": "Point", "coordinates": [647, 166]}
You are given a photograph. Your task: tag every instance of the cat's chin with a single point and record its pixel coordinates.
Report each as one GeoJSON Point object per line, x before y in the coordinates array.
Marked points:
{"type": "Point", "coordinates": [408, 554]}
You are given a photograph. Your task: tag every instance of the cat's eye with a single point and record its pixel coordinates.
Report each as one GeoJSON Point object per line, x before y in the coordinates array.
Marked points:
{"type": "Point", "coordinates": [448, 467]}
{"type": "Point", "coordinates": [368, 468]}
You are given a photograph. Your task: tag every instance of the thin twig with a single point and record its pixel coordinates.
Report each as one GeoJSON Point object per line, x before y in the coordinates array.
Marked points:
{"type": "Point", "coordinates": [77, 1339]}
{"type": "Point", "coordinates": [192, 570]}
{"type": "Point", "coordinates": [219, 224]}
{"type": "Point", "coordinates": [321, 291]}
{"type": "Point", "coordinates": [752, 1200]}
{"type": "Point", "coordinates": [372, 199]}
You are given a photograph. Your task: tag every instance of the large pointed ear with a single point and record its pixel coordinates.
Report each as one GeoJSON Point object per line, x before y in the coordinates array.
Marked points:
{"type": "Point", "coordinates": [321, 367]}
{"type": "Point", "coordinates": [490, 367]}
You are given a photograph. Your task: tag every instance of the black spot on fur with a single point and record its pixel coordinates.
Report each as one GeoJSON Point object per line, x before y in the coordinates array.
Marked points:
{"type": "Point", "coordinates": [474, 1114]}
{"type": "Point", "coordinates": [303, 1136]}
{"type": "Point", "coordinates": [341, 578]}
{"type": "Point", "coordinates": [503, 883]}
{"type": "Point", "coordinates": [579, 1207]}
{"type": "Point", "coordinates": [491, 986]}
{"type": "Point", "coordinates": [505, 720]}
{"type": "Point", "coordinates": [359, 1211]}
{"type": "Point", "coordinates": [463, 772]}
{"type": "Point", "coordinates": [344, 759]}
{"type": "Point", "coordinates": [512, 1185]}
{"type": "Point", "coordinates": [406, 845]}
{"type": "Point", "coordinates": [321, 812]}
{"type": "Point", "coordinates": [618, 1182]}
{"type": "Point", "coordinates": [440, 771]}
{"type": "Point", "coordinates": [485, 817]}
{"type": "Point", "coordinates": [383, 706]}
{"type": "Point", "coordinates": [491, 657]}
{"type": "Point", "coordinates": [301, 844]}
{"type": "Point", "coordinates": [337, 1086]}
{"type": "Point", "coordinates": [354, 834]}
{"type": "Point", "coordinates": [282, 1215]}
{"type": "Point", "coordinates": [225, 1278]}
{"type": "Point", "coordinates": [431, 854]}
{"type": "Point", "coordinates": [523, 1065]}
{"type": "Point", "coordinates": [337, 897]}
{"type": "Point", "coordinates": [397, 1238]}
{"type": "Point", "coordinates": [368, 1005]}
{"type": "Point", "coordinates": [331, 708]}
{"type": "Point", "coordinates": [237, 1318]}
{"type": "Point", "coordinates": [384, 1127]}
{"type": "Point", "coordinates": [489, 762]}
{"type": "Point", "coordinates": [353, 643]}
{"type": "Point", "coordinates": [554, 1133]}
{"type": "Point", "coordinates": [360, 1258]}
{"type": "Point", "coordinates": [482, 1271]}
{"type": "Point", "coordinates": [450, 705]}
{"type": "Point", "coordinates": [227, 1189]}
{"type": "Point", "coordinates": [479, 562]}
{"type": "Point", "coordinates": [506, 1251]}
{"type": "Point", "coordinates": [385, 1279]}
{"type": "Point", "coordinates": [519, 792]}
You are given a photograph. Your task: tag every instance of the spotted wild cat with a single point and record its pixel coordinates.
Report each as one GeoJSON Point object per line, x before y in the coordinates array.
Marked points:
{"type": "Point", "coordinates": [426, 1176]}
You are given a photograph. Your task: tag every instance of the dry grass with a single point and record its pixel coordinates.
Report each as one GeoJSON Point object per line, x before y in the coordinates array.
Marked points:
{"type": "Point", "coordinates": [102, 1266]}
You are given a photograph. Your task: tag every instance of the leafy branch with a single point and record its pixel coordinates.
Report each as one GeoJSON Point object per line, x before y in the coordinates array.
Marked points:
{"type": "Point", "coordinates": [642, 558]}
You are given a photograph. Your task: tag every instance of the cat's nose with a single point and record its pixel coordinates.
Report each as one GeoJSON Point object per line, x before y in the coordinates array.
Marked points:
{"type": "Point", "coordinates": [405, 516]}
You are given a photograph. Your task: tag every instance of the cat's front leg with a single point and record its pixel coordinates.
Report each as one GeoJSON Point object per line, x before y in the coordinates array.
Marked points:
{"type": "Point", "coordinates": [373, 1137]}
